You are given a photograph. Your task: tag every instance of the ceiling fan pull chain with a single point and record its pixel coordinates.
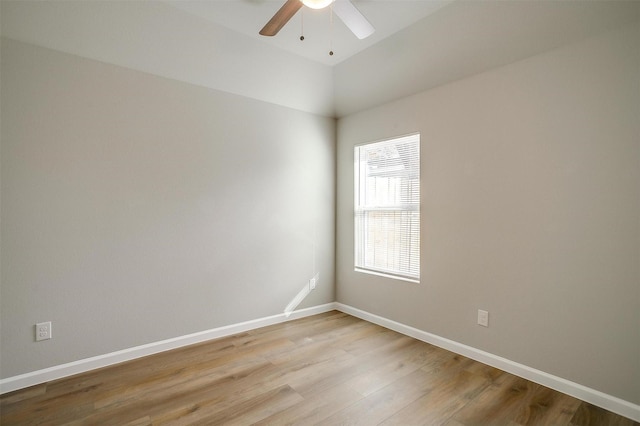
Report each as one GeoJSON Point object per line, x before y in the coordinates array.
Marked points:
{"type": "Point", "coordinates": [331, 30]}
{"type": "Point", "coordinates": [302, 25]}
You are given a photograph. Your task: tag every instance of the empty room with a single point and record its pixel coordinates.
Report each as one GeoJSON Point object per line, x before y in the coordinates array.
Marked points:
{"type": "Point", "coordinates": [320, 212]}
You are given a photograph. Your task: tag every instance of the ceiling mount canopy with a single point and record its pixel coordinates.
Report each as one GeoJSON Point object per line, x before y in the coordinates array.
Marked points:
{"type": "Point", "coordinates": [344, 9]}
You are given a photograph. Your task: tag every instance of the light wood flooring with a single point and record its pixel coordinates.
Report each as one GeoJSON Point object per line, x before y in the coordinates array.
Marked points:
{"type": "Point", "coordinates": [328, 369]}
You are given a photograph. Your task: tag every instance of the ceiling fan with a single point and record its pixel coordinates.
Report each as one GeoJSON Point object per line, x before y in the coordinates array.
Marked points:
{"type": "Point", "coordinates": [346, 11]}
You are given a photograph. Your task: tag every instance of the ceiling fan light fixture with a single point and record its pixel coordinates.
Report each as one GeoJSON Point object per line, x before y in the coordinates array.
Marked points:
{"type": "Point", "coordinates": [317, 4]}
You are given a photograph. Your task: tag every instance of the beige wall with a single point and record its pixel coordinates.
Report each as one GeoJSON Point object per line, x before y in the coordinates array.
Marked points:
{"type": "Point", "coordinates": [530, 207]}
{"type": "Point", "coordinates": [137, 208]}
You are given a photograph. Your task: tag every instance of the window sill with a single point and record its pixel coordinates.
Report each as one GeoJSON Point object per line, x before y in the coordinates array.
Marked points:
{"type": "Point", "coordinates": [382, 274]}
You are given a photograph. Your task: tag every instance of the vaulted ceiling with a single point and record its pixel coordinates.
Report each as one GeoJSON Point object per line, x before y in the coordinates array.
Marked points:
{"type": "Point", "coordinates": [417, 45]}
{"type": "Point", "coordinates": [322, 30]}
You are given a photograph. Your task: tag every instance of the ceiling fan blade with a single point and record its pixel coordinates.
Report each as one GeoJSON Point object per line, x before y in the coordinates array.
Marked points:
{"type": "Point", "coordinates": [281, 17]}
{"type": "Point", "coordinates": [353, 19]}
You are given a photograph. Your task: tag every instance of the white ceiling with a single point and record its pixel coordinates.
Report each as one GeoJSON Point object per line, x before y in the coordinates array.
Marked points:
{"type": "Point", "coordinates": [418, 44]}
{"type": "Point", "coordinates": [468, 37]}
{"type": "Point", "coordinates": [249, 16]}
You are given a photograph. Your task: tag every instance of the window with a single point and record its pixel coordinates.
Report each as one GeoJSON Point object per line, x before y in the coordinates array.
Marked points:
{"type": "Point", "coordinates": [387, 207]}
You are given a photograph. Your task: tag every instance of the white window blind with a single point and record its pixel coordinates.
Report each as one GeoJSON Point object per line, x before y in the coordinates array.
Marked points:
{"type": "Point", "coordinates": [387, 207]}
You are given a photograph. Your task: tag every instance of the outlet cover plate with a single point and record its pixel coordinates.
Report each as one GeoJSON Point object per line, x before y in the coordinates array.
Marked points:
{"type": "Point", "coordinates": [43, 331]}
{"type": "Point", "coordinates": [483, 318]}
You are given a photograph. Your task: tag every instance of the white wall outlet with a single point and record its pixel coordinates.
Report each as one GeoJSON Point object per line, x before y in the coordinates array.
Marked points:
{"type": "Point", "coordinates": [43, 331]}
{"type": "Point", "coordinates": [483, 318]}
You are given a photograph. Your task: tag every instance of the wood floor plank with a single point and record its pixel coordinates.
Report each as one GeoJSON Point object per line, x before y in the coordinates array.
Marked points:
{"type": "Point", "coordinates": [411, 359]}
{"type": "Point", "coordinates": [383, 403]}
{"type": "Point", "coordinates": [498, 404]}
{"type": "Point", "coordinates": [448, 395]}
{"type": "Point", "coordinates": [247, 412]}
{"type": "Point", "coordinates": [26, 394]}
{"type": "Point", "coordinates": [315, 407]}
{"type": "Point", "coordinates": [327, 369]}
{"type": "Point", "coordinates": [547, 407]}
{"type": "Point", "coordinates": [356, 365]}
{"type": "Point", "coordinates": [177, 401]}
{"type": "Point", "coordinates": [588, 415]}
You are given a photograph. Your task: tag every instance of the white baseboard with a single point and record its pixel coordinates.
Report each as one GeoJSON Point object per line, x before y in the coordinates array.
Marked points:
{"type": "Point", "coordinates": [81, 366]}
{"type": "Point", "coordinates": [592, 396]}
{"type": "Point", "coordinates": [600, 399]}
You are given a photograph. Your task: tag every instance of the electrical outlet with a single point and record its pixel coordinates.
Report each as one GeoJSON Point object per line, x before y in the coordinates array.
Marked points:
{"type": "Point", "coordinates": [483, 318]}
{"type": "Point", "coordinates": [43, 331]}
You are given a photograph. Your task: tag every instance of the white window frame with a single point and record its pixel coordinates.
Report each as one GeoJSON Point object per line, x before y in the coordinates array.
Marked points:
{"type": "Point", "coordinates": [387, 208]}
